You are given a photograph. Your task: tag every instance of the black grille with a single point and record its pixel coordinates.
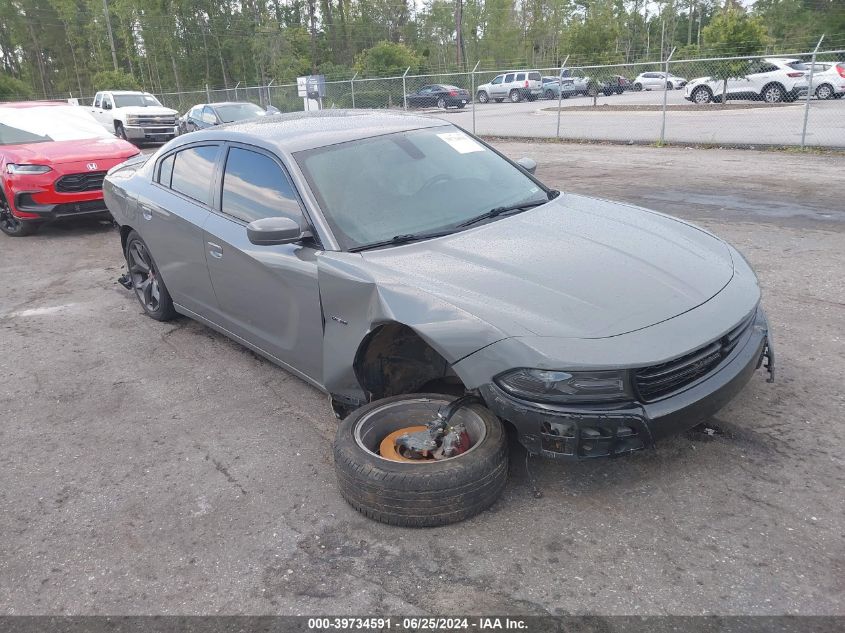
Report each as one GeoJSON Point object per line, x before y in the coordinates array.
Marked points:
{"type": "Point", "coordinates": [657, 381]}
{"type": "Point", "coordinates": [74, 183]}
{"type": "Point", "coordinates": [70, 208]}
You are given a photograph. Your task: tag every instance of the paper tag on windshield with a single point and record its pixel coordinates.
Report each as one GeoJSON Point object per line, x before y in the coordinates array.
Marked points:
{"type": "Point", "coordinates": [461, 143]}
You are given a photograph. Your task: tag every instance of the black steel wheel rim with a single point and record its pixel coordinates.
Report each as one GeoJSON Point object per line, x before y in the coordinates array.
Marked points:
{"type": "Point", "coordinates": [144, 277]}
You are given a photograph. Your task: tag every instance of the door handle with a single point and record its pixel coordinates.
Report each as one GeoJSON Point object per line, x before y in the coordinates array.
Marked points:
{"type": "Point", "coordinates": [215, 250]}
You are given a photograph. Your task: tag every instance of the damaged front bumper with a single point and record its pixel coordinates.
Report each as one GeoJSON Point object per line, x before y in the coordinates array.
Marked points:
{"type": "Point", "coordinates": [582, 432]}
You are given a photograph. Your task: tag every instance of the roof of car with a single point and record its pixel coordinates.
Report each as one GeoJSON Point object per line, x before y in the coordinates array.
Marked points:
{"type": "Point", "coordinates": [33, 104]}
{"type": "Point", "coordinates": [299, 131]}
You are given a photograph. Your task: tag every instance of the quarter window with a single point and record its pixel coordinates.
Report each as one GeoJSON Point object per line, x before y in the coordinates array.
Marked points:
{"type": "Point", "coordinates": [193, 169]}
{"type": "Point", "coordinates": [255, 187]}
{"type": "Point", "coordinates": [165, 170]}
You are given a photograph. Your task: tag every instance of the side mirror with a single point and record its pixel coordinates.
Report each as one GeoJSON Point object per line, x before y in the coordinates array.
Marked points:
{"type": "Point", "coordinates": [528, 164]}
{"type": "Point", "coordinates": [273, 231]}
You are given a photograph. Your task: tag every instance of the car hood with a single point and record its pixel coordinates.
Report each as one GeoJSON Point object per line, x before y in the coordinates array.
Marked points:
{"type": "Point", "coordinates": [148, 110]}
{"type": "Point", "coordinates": [576, 267]}
{"type": "Point", "coordinates": [60, 152]}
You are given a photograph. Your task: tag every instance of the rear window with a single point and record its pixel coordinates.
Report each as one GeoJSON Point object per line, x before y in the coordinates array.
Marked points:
{"type": "Point", "coordinates": [534, 76]}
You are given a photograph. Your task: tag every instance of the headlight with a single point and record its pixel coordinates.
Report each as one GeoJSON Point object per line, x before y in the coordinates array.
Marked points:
{"type": "Point", "coordinates": [563, 386]}
{"type": "Point", "coordinates": [132, 120]}
{"type": "Point", "coordinates": [27, 169]}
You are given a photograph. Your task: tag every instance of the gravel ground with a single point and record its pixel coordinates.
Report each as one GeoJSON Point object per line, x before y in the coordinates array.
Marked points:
{"type": "Point", "coordinates": [159, 468]}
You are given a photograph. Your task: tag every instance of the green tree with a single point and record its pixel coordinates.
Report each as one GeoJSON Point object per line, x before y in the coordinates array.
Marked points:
{"type": "Point", "coordinates": [115, 80]}
{"type": "Point", "coordinates": [733, 33]}
{"type": "Point", "coordinates": [11, 88]}
{"type": "Point", "coordinates": [387, 59]}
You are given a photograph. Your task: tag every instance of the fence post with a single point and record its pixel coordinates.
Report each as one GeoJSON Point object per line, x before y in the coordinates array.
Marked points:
{"type": "Point", "coordinates": [405, 90]}
{"type": "Point", "coordinates": [236, 90]}
{"type": "Point", "coordinates": [207, 94]}
{"type": "Point", "coordinates": [352, 85]}
{"type": "Point", "coordinates": [809, 93]}
{"type": "Point", "coordinates": [560, 94]}
{"type": "Point", "coordinates": [269, 100]}
{"type": "Point", "coordinates": [472, 94]}
{"type": "Point", "coordinates": [665, 97]}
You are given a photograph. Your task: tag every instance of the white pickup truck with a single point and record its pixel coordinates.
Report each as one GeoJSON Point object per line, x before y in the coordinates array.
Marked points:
{"type": "Point", "coordinates": [134, 116]}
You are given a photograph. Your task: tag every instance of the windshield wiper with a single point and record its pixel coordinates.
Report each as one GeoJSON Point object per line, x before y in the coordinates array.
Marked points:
{"type": "Point", "coordinates": [400, 239]}
{"type": "Point", "coordinates": [492, 213]}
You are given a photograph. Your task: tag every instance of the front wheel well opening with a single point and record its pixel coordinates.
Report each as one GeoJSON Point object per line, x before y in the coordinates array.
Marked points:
{"type": "Point", "coordinates": [125, 230]}
{"type": "Point", "coordinates": [393, 359]}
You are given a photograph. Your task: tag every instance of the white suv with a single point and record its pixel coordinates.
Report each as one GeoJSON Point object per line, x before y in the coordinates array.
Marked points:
{"type": "Point", "coordinates": [828, 79]}
{"type": "Point", "coordinates": [515, 86]}
{"type": "Point", "coordinates": [134, 116]}
{"type": "Point", "coordinates": [772, 80]}
{"type": "Point", "coordinates": [658, 81]}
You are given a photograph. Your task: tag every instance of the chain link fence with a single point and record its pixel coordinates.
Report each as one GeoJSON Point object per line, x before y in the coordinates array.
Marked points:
{"type": "Point", "coordinates": [771, 101]}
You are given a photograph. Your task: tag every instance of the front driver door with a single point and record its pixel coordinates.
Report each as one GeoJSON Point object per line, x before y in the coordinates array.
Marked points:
{"type": "Point", "coordinates": [266, 295]}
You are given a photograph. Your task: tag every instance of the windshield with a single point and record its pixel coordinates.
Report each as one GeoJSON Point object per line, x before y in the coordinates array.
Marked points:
{"type": "Point", "coordinates": [421, 181]}
{"type": "Point", "coordinates": [139, 100]}
{"type": "Point", "coordinates": [238, 112]}
{"type": "Point", "coordinates": [42, 124]}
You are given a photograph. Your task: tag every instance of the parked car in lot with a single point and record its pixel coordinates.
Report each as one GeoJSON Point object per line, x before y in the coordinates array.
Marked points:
{"type": "Point", "coordinates": [514, 86]}
{"type": "Point", "coordinates": [438, 95]}
{"type": "Point", "coordinates": [772, 80]}
{"type": "Point", "coordinates": [828, 79]}
{"type": "Point", "coordinates": [134, 116]}
{"type": "Point", "coordinates": [205, 115]}
{"type": "Point", "coordinates": [53, 158]}
{"type": "Point", "coordinates": [435, 291]}
{"type": "Point", "coordinates": [616, 84]}
{"type": "Point", "coordinates": [658, 81]}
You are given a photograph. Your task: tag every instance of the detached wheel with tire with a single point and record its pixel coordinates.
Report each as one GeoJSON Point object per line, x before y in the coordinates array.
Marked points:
{"type": "Point", "coordinates": [12, 226]}
{"type": "Point", "coordinates": [147, 283]}
{"type": "Point", "coordinates": [380, 478]}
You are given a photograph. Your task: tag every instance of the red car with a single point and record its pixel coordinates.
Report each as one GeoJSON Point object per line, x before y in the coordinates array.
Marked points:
{"type": "Point", "coordinates": [53, 158]}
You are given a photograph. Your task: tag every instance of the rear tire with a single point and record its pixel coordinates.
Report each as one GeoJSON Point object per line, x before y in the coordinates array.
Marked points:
{"type": "Point", "coordinates": [514, 96]}
{"type": "Point", "coordinates": [825, 91]}
{"type": "Point", "coordinates": [441, 103]}
{"type": "Point", "coordinates": [773, 93]}
{"type": "Point", "coordinates": [419, 494]}
{"type": "Point", "coordinates": [147, 283]}
{"type": "Point", "coordinates": [483, 97]}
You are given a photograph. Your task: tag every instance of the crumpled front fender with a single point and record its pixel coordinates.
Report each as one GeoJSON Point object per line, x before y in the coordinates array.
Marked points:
{"type": "Point", "coordinates": [354, 303]}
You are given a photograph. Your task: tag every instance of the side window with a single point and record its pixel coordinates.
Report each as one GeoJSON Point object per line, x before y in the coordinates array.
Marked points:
{"type": "Point", "coordinates": [497, 80]}
{"type": "Point", "coordinates": [97, 100]}
{"type": "Point", "coordinates": [255, 187]}
{"type": "Point", "coordinates": [508, 78]}
{"type": "Point", "coordinates": [520, 76]}
{"type": "Point", "coordinates": [165, 170]}
{"type": "Point", "coordinates": [193, 169]}
{"type": "Point", "coordinates": [208, 116]}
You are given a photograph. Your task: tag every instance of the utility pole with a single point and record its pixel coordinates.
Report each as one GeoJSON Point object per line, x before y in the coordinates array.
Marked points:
{"type": "Point", "coordinates": [459, 19]}
{"type": "Point", "coordinates": [312, 18]}
{"type": "Point", "coordinates": [111, 37]}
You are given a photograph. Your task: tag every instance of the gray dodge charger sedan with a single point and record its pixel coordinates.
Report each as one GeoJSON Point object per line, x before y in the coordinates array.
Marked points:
{"type": "Point", "coordinates": [440, 295]}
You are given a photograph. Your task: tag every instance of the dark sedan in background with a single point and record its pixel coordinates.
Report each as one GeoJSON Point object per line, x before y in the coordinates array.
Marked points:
{"type": "Point", "coordinates": [205, 115]}
{"type": "Point", "coordinates": [438, 95]}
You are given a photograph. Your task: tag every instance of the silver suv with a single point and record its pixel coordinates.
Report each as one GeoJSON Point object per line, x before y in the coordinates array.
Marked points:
{"type": "Point", "coordinates": [513, 85]}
